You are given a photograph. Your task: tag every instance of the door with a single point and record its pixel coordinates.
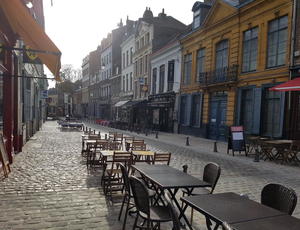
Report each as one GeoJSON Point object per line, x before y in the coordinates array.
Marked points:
{"type": "Point", "coordinates": [163, 119]}
{"type": "Point", "coordinates": [217, 121]}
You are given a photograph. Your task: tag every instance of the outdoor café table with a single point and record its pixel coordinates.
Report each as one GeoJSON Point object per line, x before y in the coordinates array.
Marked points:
{"type": "Point", "coordinates": [143, 155]}
{"type": "Point", "coordinates": [280, 146]}
{"type": "Point", "coordinates": [285, 222]}
{"type": "Point", "coordinates": [229, 207]}
{"type": "Point", "coordinates": [167, 178]}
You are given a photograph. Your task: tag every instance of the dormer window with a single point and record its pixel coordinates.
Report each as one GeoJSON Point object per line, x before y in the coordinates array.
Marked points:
{"type": "Point", "coordinates": [196, 22]}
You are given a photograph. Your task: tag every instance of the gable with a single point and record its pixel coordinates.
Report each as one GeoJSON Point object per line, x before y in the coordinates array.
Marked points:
{"type": "Point", "coordinates": [218, 12]}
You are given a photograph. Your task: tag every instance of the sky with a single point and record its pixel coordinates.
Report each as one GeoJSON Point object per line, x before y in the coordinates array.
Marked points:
{"type": "Point", "coordinates": [78, 26]}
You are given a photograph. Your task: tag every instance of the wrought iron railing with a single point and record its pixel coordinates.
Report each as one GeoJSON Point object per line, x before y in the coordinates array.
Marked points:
{"type": "Point", "coordinates": [221, 75]}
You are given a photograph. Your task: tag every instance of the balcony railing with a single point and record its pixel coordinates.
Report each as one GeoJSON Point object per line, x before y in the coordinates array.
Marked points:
{"type": "Point", "coordinates": [222, 75]}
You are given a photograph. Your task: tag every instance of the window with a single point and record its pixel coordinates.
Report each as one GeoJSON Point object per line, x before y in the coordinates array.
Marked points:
{"type": "Point", "coordinates": [277, 41]}
{"type": "Point", "coordinates": [200, 63]}
{"type": "Point", "coordinates": [124, 84]}
{"type": "Point", "coordinates": [196, 22]}
{"type": "Point", "coordinates": [250, 41]}
{"type": "Point", "coordinates": [127, 88]}
{"type": "Point", "coordinates": [130, 82]}
{"type": "Point", "coordinates": [161, 78]}
{"type": "Point", "coordinates": [222, 54]}
{"type": "Point", "coordinates": [137, 44]}
{"type": "Point", "coordinates": [123, 59]}
{"type": "Point", "coordinates": [271, 122]}
{"type": "Point", "coordinates": [146, 63]}
{"type": "Point", "coordinates": [196, 102]}
{"type": "Point", "coordinates": [136, 68]}
{"type": "Point", "coordinates": [154, 77]}
{"type": "Point", "coordinates": [183, 109]}
{"type": "Point", "coordinates": [142, 42]}
{"type": "Point", "coordinates": [127, 58]}
{"type": "Point", "coordinates": [187, 68]}
{"type": "Point", "coordinates": [170, 75]}
{"type": "Point", "coordinates": [141, 66]}
{"type": "Point", "coordinates": [147, 38]}
{"type": "Point", "coordinates": [131, 54]}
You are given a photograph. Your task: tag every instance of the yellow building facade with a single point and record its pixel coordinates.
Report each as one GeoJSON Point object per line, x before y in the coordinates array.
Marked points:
{"type": "Point", "coordinates": [231, 57]}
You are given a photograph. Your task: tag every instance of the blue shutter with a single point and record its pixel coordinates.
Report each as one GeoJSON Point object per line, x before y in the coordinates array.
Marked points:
{"type": "Point", "coordinates": [238, 109]}
{"type": "Point", "coordinates": [257, 111]}
{"type": "Point", "coordinates": [188, 109]}
{"type": "Point", "coordinates": [200, 108]}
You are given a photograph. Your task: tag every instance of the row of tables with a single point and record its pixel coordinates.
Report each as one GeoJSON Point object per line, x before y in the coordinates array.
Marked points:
{"type": "Point", "coordinates": [239, 212]}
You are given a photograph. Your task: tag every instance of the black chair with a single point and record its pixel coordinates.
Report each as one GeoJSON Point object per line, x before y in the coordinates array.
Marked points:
{"type": "Point", "coordinates": [279, 197]}
{"type": "Point", "coordinates": [211, 175]}
{"type": "Point", "coordinates": [173, 212]}
{"type": "Point", "coordinates": [127, 194]}
{"type": "Point", "coordinates": [149, 214]}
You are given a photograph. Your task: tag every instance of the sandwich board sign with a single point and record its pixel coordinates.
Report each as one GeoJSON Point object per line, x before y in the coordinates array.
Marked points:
{"type": "Point", "coordinates": [236, 139]}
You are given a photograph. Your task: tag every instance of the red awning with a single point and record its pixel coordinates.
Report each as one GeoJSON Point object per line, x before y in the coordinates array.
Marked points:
{"type": "Point", "coordinates": [291, 85]}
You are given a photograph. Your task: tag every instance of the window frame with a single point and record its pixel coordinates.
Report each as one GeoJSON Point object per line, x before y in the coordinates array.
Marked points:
{"type": "Point", "coordinates": [251, 51]}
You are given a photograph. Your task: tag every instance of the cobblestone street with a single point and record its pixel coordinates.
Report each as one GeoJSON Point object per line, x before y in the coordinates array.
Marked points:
{"type": "Point", "coordinates": [50, 187]}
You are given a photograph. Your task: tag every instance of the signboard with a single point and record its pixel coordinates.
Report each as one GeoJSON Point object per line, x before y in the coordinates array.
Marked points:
{"type": "Point", "coordinates": [44, 94]}
{"type": "Point", "coordinates": [236, 140]}
{"type": "Point", "coordinates": [4, 157]}
{"type": "Point", "coordinates": [30, 56]}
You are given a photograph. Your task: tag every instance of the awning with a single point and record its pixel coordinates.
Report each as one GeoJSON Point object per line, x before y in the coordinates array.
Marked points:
{"type": "Point", "coordinates": [120, 103]}
{"type": "Point", "coordinates": [32, 34]}
{"type": "Point", "coordinates": [291, 85]}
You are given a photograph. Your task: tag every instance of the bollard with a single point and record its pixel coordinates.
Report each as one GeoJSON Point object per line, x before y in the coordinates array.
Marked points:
{"type": "Point", "coordinates": [146, 132]}
{"type": "Point", "coordinates": [156, 134]}
{"type": "Point", "coordinates": [187, 142]}
{"type": "Point", "coordinates": [94, 131]}
{"type": "Point", "coordinates": [105, 136]}
{"type": "Point", "coordinates": [256, 157]}
{"type": "Point", "coordinates": [184, 168]}
{"type": "Point", "coordinates": [215, 147]}
{"type": "Point", "coordinates": [90, 130]}
{"type": "Point", "coordinates": [99, 134]}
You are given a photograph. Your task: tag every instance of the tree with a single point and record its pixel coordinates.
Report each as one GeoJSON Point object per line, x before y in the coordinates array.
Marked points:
{"type": "Point", "coordinates": [68, 72]}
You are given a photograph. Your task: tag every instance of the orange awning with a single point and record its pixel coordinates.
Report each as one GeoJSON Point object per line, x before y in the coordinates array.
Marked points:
{"type": "Point", "coordinates": [33, 35]}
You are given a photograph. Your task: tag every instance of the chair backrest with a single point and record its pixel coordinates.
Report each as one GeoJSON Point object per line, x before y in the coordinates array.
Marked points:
{"type": "Point", "coordinates": [94, 137]}
{"type": "Point", "coordinates": [138, 146]}
{"type": "Point", "coordinates": [140, 195]}
{"type": "Point", "coordinates": [113, 145]}
{"type": "Point", "coordinates": [111, 135]}
{"type": "Point", "coordinates": [123, 157]}
{"type": "Point", "coordinates": [163, 158]}
{"type": "Point", "coordinates": [125, 178]}
{"type": "Point", "coordinates": [119, 137]}
{"type": "Point", "coordinates": [295, 146]}
{"type": "Point", "coordinates": [129, 138]}
{"type": "Point", "coordinates": [211, 174]}
{"type": "Point", "coordinates": [279, 197]}
{"type": "Point", "coordinates": [173, 211]}
{"type": "Point", "coordinates": [138, 141]}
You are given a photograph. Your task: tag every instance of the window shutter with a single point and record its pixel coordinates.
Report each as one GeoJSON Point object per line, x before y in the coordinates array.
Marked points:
{"type": "Point", "coordinates": [200, 109]}
{"type": "Point", "coordinates": [257, 111]}
{"type": "Point", "coordinates": [238, 107]}
{"type": "Point", "coordinates": [189, 109]}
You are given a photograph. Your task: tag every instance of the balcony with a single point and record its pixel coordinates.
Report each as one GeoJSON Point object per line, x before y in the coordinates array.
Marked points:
{"type": "Point", "coordinates": [217, 76]}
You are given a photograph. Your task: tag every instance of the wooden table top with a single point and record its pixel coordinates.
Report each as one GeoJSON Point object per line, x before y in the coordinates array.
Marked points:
{"type": "Point", "coordinates": [143, 153]}
{"type": "Point", "coordinates": [279, 142]}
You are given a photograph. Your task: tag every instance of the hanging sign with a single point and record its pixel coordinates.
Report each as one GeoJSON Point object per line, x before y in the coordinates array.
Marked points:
{"type": "Point", "coordinates": [30, 56]}
{"type": "Point", "coordinates": [236, 139]}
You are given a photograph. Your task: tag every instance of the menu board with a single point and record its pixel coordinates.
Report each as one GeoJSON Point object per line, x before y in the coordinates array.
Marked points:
{"type": "Point", "coordinates": [4, 157]}
{"type": "Point", "coordinates": [236, 140]}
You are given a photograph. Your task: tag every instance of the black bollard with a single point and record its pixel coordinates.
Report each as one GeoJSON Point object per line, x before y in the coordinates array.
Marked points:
{"type": "Point", "coordinates": [156, 134]}
{"type": "Point", "coordinates": [256, 157]}
{"type": "Point", "coordinates": [187, 142]}
{"type": "Point", "coordinates": [146, 132]}
{"type": "Point", "coordinates": [105, 136]}
{"type": "Point", "coordinates": [94, 131]}
{"type": "Point", "coordinates": [215, 147]}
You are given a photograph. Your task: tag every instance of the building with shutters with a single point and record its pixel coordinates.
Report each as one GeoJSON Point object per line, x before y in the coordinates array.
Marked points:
{"type": "Point", "coordinates": [235, 51]}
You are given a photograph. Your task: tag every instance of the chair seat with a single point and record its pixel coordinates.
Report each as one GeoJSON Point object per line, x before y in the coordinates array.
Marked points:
{"type": "Point", "coordinates": [113, 171]}
{"type": "Point", "coordinates": [158, 213]}
{"type": "Point", "coordinates": [197, 191]}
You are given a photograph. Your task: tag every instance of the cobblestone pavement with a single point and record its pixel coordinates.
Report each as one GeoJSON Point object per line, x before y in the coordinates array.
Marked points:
{"type": "Point", "coordinates": [50, 187]}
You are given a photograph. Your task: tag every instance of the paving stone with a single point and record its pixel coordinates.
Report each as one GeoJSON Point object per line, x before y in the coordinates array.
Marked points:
{"type": "Point", "coordinates": [51, 188]}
